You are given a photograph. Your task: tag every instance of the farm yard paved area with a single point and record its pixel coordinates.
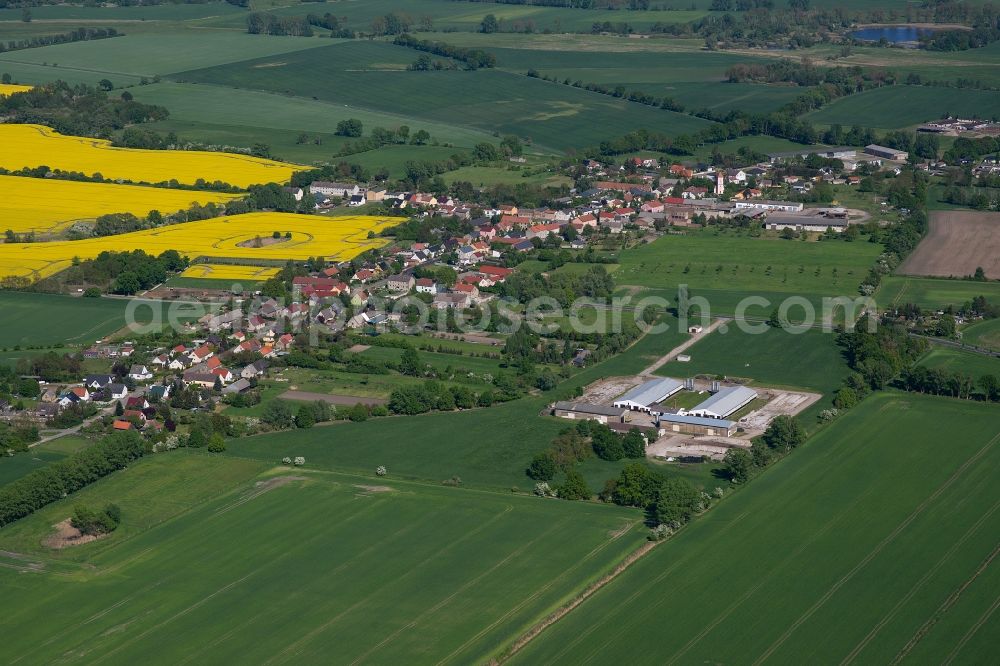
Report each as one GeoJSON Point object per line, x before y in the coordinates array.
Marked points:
{"type": "Point", "coordinates": [292, 572]}
{"type": "Point", "coordinates": [875, 541]}
{"type": "Point", "coordinates": [332, 399]}
{"type": "Point", "coordinates": [781, 402]}
{"type": "Point", "coordinates": [957, 243]}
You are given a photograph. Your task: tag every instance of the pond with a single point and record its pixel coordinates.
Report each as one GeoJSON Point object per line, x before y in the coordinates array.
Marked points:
{"type": "Point", "coordinates": [895, 34]}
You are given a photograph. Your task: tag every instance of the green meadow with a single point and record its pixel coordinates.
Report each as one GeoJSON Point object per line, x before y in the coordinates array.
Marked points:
{"type": "Point", "coordinates": [725, 267]}
{"type": "Point", "coordinates": [963, 362]}
{"type": "Point", "coordinates": [43, 320]}
{"type": "Point", "coordinates": [983, 334]}
{"type": "Point", "coordinates": [283, 567]}
{"type": "Point", "coordinates": [932, 292]}
{"type": "Point", "coordinates": [870, 544]}
{"type": "Point", "coordinates": [765, 358]}
{"type": "Point", "coordinates": [902, 106]}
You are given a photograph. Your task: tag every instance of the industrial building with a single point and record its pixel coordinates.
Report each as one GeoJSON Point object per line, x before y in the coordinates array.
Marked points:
{"type": "Point", "coordinates": [696, 425]}
{"type": "Point", "coordinates": [583, 410]}
{"type": "Point", "coordinates": [649, 393]}
{"type": "Point", "coordinates": [726, 401]}
{"type": "Point", "coordinates": [886, 153]}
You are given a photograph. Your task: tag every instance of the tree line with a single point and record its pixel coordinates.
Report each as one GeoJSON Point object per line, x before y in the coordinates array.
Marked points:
{"type": "Point", "coordinates": [78, 35]}
{"type": "Point", "coordinates": [33, 491]}
{"type": "Point", "coordinates": [472, 58]}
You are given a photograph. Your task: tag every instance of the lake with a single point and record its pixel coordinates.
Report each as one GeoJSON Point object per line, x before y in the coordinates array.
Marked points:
{"type": "Point", "coordinates": [892, 33]}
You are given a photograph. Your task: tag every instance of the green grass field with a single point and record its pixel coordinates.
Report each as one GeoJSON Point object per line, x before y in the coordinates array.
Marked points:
{"type": "Point", "coordinates": [967, 363]}
{"type": "Point", "coordinates": [211, 551]}
{"type": "Point", "coordinates": [871, 543]}
{"type": "Point", "coordinates": [16, 466]}
{"type": "Point", "coordinates": [983, 334]}
{"type": "Point", "coordinates": [902, 106]}
{"type": "Point", "coordinates": [371, 75]}
{"type": "Point", "coordinates": [44, 319]}
{"type": "Point", "coordinates": [931, 292]}
{"type": "Point", "coordinates": [48, 319]}
{"type": "Point", "coordinates": [725, 267]}
{"type": "Point", "coordinates": [818, 363]}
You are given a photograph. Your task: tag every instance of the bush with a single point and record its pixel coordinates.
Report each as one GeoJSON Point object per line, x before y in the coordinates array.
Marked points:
{"type": "Point", "coordinates": [542, 467]}
{"type": "Point", "coordinates": [305, 417]}
{"type": "Point", "coordinates": [95, 523]}
{"type": "Point", "coordinates": [575, 487]}
{"type": "Point", "coordinates": [216, 444]}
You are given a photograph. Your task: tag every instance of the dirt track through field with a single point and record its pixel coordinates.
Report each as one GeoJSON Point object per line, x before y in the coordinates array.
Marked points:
{"type": "Point", "coordinates": [958, 242]}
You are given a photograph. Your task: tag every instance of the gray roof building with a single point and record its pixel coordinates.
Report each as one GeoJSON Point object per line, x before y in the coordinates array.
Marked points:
{"type": "Point", "coordinates": [587, 408]}
{"type": "Point", "coordinates": [724, 402]}
{"type": "Point", "coordinates": [649, 393]}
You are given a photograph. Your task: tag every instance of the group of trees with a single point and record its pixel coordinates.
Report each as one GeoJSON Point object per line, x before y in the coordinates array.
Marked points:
{"type": "Point", "coordinates": [618, 91]}
{"type": "Point", "coordinates": [574, 445]}
{"type": "Point", "coordinates": [783, 434]}
{"type": "Point", "coordinates": [63, 477]}
{"type": "Point", "coordinates": [336, 25]}
{"type": "Point", "coordinates": [263, 23]}
{"type": "Point", "coordinates": [668, 500]}
{"type": "Point", "coordinates": [127, 272]}
{"type": "Point", "coordinates": [471, 58]}
{"type": "Point", "coordinates": [15, 437]}
{"type": "Point", "coordinates": [91, 522]}
{"type": "Point", "coordinates": [77, 110]}
{"type": "Point", "coordinates": [941, 381]}
{"type": "Point", "coordinates": [432, 395]}
{"type": "Point", "coordinates": [880, 356]}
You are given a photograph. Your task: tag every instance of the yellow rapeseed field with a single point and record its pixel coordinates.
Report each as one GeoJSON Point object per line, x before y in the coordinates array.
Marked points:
{"type": "Point", "coordinates": [228, 272]}
{"type": "Point", "coordinates": [47, 204]}
{"type": "Point", "coordinates": [36, 145]}
{"type": "Point", "coordinates": [241, 236]}
{"type": "Point", "coordinates": [11, 88]}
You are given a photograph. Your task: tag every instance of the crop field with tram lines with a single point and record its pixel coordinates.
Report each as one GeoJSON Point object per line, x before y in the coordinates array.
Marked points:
{"type": "Point", "coordinates": [46, 205]}
{"type": "Point", "coordinates": [228, 272]}
{"type": "Point", "coordinates": [247, 236]}
{"type": "Point", "coordinates": [37, 145]}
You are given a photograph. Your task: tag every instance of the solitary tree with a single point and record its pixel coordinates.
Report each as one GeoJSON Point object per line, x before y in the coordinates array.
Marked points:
{"type": "Point", "coordinates": [489, 24]}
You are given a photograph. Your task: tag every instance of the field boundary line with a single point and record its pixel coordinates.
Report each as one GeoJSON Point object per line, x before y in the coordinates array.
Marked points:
{"type": "Point", "coordinates": [586, 558]}
{"type": "Point", "coordinates": [562, 612]}
{"type": "Point", "coordinates": [919, 585]}
{"type": "Point", "coordinates": [364, 553]}
{"type": "Point", "coordinates": [945, 606]}
{"type": "Point", "coordinates": [461, 588]}
{"type": "Point", "coordinates": [817, 460]}
{"type": "Point", "coordinates": [225, 588]}
{"type": "Point", "coordinates": [889, 538]}
{"type": "Point", "coordinates": [298, 644]}
{"type": "Point", "coordinates": [983, 619]}
{"type": "Point", "coordinates": [780, 567]}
